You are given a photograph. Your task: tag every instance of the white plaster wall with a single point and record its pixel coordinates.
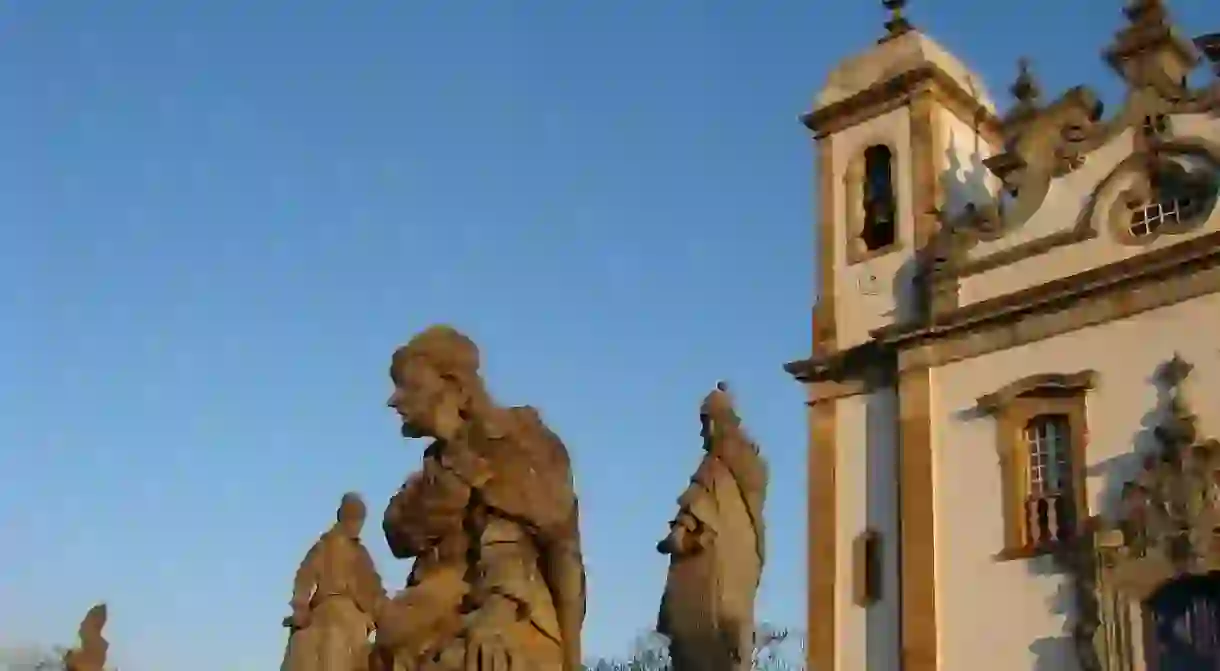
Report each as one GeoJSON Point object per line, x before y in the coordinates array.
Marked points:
{"type": "Point", "coordinates": [867, 298]}
{"type": "Point", "coordinates": [1063, 205]}
{"type": "Point", "coordinates": [866, 482]}
{"type": "Point", "coordinates": [851, 485]}
{"type": "Point", "coordinates": [963, 177]}
{"type": "Point", "coordinates": [1012, 615]}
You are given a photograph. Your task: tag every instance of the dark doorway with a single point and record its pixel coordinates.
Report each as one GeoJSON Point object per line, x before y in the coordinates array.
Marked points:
{"type": "Point", "coordinates": [1182, 625]}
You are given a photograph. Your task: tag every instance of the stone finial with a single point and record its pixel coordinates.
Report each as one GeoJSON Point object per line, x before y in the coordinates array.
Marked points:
{"type": "Point", "coordinates": [1148, 51]}
{"type": "Point", "coordinates": [897, 24]}
{"type": "Point", "coordinates": [1174, 372]}
{"type": "Point", "coordinates": [1025, 88]}
{"type": "Point", "coordinates": [1178, 428]}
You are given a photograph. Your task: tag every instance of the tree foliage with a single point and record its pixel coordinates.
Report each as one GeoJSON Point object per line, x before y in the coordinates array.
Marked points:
{"type": "Point", "coordinates": [775, 649]}
{"type": "Point", "coordinates": [31, 659]}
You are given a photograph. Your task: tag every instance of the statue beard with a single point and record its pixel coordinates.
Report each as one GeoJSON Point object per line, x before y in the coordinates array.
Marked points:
{"type": "Point", "coordinates": [431, 421]}
{"type": "Point", "coordinates": [410, 430]}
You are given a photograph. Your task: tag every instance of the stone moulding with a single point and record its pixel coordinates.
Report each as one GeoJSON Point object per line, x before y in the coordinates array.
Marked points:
{"type": "Point", "coordinates": [1058, 382]}
{"type": "Point", "coordinates": [1176, 272]}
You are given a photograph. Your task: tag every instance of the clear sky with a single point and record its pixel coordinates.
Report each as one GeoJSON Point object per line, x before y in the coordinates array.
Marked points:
{"type": "Point", "coordinates": [217, 220]}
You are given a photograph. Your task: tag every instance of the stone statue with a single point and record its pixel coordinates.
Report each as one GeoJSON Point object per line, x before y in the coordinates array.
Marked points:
{"type": "Point", "coordinates": [335, 597]}
{"type": "Point", "coordinates": [716, 548]}
{"type": "Point", "coordinates": [491, 520]}
{"type": "Point", "coordinates": [91, 655]}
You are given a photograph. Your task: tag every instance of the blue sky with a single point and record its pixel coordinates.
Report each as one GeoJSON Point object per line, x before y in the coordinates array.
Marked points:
{"type": "Point", "coordinates": [217, 220]}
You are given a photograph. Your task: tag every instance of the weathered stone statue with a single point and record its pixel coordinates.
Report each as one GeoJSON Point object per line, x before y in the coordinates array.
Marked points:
{"type": "Point", "coordinates": [91, 655]}
{"type": "Point", "coordinates": [335, 596]}
{"type": "Point", "coordinates": [716, 548]}
{"type": "Point", "coordinates": [491, 520]}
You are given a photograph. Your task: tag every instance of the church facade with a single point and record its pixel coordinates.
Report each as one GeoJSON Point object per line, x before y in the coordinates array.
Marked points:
{"type": "Point", "coordinates": [1014, 386]}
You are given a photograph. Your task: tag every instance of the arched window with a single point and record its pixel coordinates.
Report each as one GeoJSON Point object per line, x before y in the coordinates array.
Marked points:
{"type": "Point", "coordinates": [880, 204]}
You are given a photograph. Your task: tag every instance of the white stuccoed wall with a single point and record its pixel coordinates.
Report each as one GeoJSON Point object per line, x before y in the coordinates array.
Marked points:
{"type": "Point", "coordinates": [1000, 615]}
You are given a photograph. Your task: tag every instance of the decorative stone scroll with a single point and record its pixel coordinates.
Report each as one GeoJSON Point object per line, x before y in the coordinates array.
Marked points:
{"type": "Point", "coordinates": [1044, 141]}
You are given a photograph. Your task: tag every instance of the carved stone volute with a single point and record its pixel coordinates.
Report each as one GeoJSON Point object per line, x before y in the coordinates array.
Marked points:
{"type": "Point", "coordinates": [1045, 141]}
{"type": "Point", "coordinates": [1040, 143]}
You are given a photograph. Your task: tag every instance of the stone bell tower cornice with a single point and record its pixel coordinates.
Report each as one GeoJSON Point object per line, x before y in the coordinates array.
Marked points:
{"type": "Point", "coordinates": [903, 63]}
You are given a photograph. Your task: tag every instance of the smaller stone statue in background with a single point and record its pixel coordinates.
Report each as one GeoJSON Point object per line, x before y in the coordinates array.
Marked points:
{"type": "Point", "coordinates": [91, 655]}
{"type": "Point", "coordinates": [335, 598]}
{"type": "Point", "coordinates": [716, 548]}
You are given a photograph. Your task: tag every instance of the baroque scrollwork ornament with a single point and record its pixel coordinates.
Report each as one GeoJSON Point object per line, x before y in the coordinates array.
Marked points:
{"type": "Point", "coordinates": [1043, 142]}
{"type": "Point", "coordinates": [1167, 527]}
{"type": "Point", "coordinates": [1170, 510]}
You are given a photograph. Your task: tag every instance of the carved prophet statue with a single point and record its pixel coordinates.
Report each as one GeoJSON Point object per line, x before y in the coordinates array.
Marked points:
{"type": "Point", "coordinates": [716, 548]}
{"type": "Point", "coordinates": [335, 597]}
{"type": "Point", "coordinates": [91, 655]}
{"type": "Point", "coordinates": [491, 520]}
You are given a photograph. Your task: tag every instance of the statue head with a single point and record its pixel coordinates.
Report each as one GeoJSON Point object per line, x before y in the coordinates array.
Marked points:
{"type": "Point", "coordinates": [95, 620]}
{"type": "Point", "coordinates": [717, 414]}
{"type": "Point", "coordinates": [351, 515]}
{"type": "Point", "coordinates": [437, 387]}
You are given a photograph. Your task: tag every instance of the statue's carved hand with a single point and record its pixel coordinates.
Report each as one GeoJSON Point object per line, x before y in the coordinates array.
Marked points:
{"type": "Point", "coordinates": [300, 618]}
{"type": "Point", "coordinates": [486, 649]}
{"type": "Point", "coordinates": [680, 541]}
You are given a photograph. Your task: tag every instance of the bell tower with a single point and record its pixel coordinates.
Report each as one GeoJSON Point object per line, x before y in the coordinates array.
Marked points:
{"type": "Point", "coordinates": [901, 131]}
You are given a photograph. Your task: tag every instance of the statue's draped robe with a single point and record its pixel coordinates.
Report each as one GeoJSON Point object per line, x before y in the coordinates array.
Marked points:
{"type": "Point", "coordinates": [90, 656]}
{"type": "Point", "coordinates": [342, 586]}
{"type": "Point", "coordinates": [707, 610]}
{"type": "Point", "coordinates": [509, 480]}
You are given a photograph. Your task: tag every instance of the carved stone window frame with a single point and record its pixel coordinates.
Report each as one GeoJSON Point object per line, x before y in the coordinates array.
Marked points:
{"type": "Point", "coordinates": [853, 202]}
{"type": "Point", "coordinates": [1012, 408]}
